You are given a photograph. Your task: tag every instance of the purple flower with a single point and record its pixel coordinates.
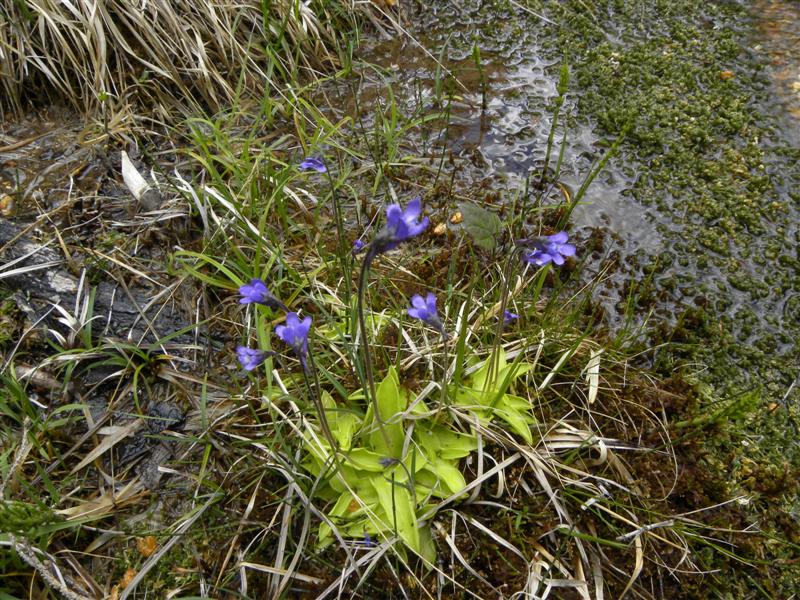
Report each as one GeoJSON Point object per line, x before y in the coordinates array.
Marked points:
{"type": "Point", "coordinates": [295, 334]}
{"type": "Point", "coordinates": [509, 317]}
{"type": "Point", "coordinates": [313, 163]}
{"type": "Point", "coordinates": [425, 310]}
{"type": "Point", "coordinates": [358, 246]}
{"type": "Point", "coordinates": [256, 292]}
{"type": "Point", "coordinates": [249, 357]}
{"type": "Point", "coordinates": [401, 225]}
{"type": "Point", "coordinates": [551, 248]}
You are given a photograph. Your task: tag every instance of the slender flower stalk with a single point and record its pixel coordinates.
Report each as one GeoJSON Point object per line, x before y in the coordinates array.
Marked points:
{"type": "Point", "coordinates": [341, 245]}
{"type": "Point", "coordinates": [365, 351]}
{"type": "Point", "coordinates": [401, 226]}
{"type": "Point", "coordinates": [508, 273]}
{"type": "Point", "coordinates": [445, 365]}
{"type": "Point", "coordinates": [316, 398]}
{"type": "Point", "coordinates": [319, 166]}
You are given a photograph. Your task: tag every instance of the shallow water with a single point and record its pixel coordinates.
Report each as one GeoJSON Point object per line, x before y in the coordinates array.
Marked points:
{"type": "Point", "coordinates": [741, 269]}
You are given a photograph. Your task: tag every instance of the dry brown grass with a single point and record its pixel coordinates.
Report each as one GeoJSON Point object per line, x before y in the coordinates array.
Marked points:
{"type": "Point", "coordinates": [165, 54]}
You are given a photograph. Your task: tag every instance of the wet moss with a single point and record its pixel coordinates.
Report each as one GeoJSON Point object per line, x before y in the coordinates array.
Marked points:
{"type": "Point", "coordinates": [715, 169]}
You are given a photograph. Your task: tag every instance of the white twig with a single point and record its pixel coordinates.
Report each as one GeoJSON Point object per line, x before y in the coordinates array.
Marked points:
{"type": "Point", "coordinates": [629, 536]}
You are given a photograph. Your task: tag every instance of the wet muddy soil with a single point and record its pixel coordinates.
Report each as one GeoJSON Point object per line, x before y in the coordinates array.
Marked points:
{"type": "Point", "coordinates": [778, 38]}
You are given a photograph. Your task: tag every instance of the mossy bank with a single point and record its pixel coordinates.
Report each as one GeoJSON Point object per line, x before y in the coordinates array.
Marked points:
{"type": "Point", "coordinates": [718, 173]}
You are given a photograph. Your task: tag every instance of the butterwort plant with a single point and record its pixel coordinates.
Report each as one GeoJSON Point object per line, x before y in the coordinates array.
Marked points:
{"type": "Point", "coordinates": [402, 225]}
{"type": "Point", "coordinates": [424, 309]}
{"type": "Point", "coordinates": [255, 292]}
{"type": "Point", "coordinates": [318, 165]}
{"type": "Point", "coordinates": [547, 249]}
{"type": "Point", "coordinates": [250, 358]}
{"type": "Point", "coordinates": [294, 333]}
{"type": "Point", "coordinates": [313, 164]}
{"type": "Point", "coordinates": [539, 251]}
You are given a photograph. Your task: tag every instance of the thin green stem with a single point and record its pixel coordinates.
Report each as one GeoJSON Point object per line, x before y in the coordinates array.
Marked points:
{"type": "Point", "coordinates": [508, 272]}
{"type": "Point", "coordinates": [341, 250]}
{"type": "Point", "coordinates": [366, 354]}
{"type": "Point", "coordinates": [445, 363]}
{"type": "Point", "coordinates": [314, 393]}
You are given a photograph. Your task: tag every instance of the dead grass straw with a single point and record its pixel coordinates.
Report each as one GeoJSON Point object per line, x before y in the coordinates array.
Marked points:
{"type": "Point", "coordinates": [172, 55]}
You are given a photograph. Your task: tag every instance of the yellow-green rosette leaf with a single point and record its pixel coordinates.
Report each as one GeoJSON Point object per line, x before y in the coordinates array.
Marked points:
{"type": "Point", "coordinates": [392, 401]}
{"type": "Point", "coordinates": [400, 511]}
{"type": "Point", "coordinates": [364, 460]}
{"type": "Point", "coordinates": [520, 422]}
{"type": "Point", "coordinates": [343, 426]}
{"type": "Point", "coordinates": [450, 479]}
{"type": "Point", "coordinates": [496, 362]}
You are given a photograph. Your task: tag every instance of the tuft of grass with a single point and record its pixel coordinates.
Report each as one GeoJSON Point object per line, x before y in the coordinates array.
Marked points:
{"type": "Point", "coordinates": [168, 56]}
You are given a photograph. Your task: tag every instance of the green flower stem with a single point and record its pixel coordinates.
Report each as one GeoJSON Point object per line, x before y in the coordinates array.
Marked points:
{"type": "Point", "coordinates": [366, 355]}
{"type": "Point", "coordinates": [508, 272]}
{"type": "Point", "coordinates": [445, 363]}
{"type": "Point", "coordinates": [310, 368]}
{"type": "Point", "coordinates": [341, 249]}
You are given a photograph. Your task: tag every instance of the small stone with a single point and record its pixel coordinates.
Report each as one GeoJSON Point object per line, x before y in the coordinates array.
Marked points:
{"type": "Point", "coordinates": [440, 229]}
{"type": "Point", "coordinates": [151, 199]}
{"type": "Point", "coordinates": [456, 218]}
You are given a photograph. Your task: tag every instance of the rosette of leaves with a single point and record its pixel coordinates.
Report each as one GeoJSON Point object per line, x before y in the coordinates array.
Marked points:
{"type": "Point", "coordinates": [383, 484]}
{"type": "Point", "coordinates": [486, 395]}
